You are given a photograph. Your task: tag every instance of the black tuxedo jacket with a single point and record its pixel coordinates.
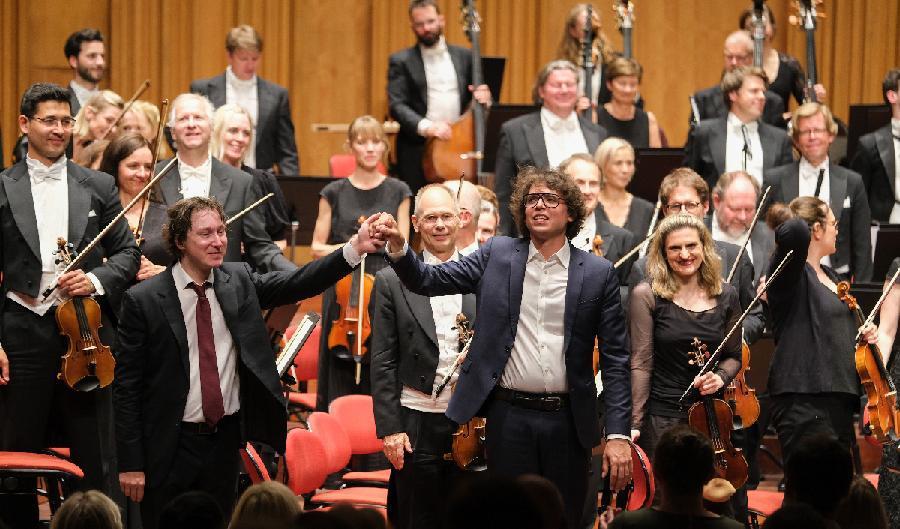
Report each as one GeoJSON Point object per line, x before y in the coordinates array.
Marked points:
{"type": "Point", "coordinates": [275, 142]}
{"type": "Point", "coordinates": [74, 104]}
{"type": "Point", "coordinates": [762, 245]}
{"type": "Point", "coordinates": [93, 202]}
{"type": "Point", "coordinates": [850, 207]}
{"type": "Point", "coordinates": [875, 162]}
{"type": "Point", "coordinates": [521, 144]}
{"type": "Point", "coordinates": [236, 190]}
{"type": "Point", "coordinates": [152, 369]}
{"type": "Point", "coordinates": [404, 348]}
{"type": "Point", "coordinates": [711, 105]}
{"type": "Point", "coordinates": [616, 243]}
{"type": "Point", "coordinates": [705, 149]}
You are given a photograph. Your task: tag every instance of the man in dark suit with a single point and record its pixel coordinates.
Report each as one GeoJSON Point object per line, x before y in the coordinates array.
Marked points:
{"type": "Point", "coordinates": [195, 376]}
{"type": "Point", "coordinates": [813, 129]}
{"type": "Point", "coordinates": [710, 103]}
{"type": "Point", "coordinates": [429, 87]}
{"type": "Point", "coordinates": [736, 197]}
{"type": "Point", "coordinates": [267, 102]}
{"type": "Point", "coordinates": [199, 174]}
{"type": "Point", "coordinates": [877, 157]}
{"type": "Point", "coordinates": [408, 367]}
{"type": "Point", "coordinates": [739, 141]}
{"type": "Point", "coordinates": [545, 138]}
{"type": "Point", "coordinates": [43, 198]}
{"type": "Point", "coordinates": [542, 303]}
{"type": "Point", "coordinates": [86, 55]}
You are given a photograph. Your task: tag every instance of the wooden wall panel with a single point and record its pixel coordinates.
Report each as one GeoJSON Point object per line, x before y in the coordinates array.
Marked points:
{"type": "Point", "coordinates": [332, 54]}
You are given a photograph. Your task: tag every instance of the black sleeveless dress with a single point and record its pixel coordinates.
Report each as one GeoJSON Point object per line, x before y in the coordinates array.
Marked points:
{"type": "Point", "coordinates": [635, 131]}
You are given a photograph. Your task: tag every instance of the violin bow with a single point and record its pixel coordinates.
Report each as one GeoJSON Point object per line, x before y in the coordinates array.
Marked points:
{"type": "Point", "coordinates": [141, 89]}
{"type": "Point", "coordinates": [242, 212]}
{"type": "Point", "coordinates": [87, 249]}
{"type": "Point", "coordinates": [163, 108]}
{"type": "Point", "coordinates": [456, 363]}
{"type": "Point", "coordinates": [713, 361]}
{"type": "Point", "coordinates": [633, 251]}
{"type": "Point", "coordinates": [737, 260]}
{"type": "Point", "coordinates": [884, 294]}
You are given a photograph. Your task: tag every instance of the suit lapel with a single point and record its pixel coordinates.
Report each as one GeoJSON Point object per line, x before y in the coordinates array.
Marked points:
{"type": "Point", "coordinates": [885, 144]}
{"type": "Point", "coordinates": [573, 289]}
{"type": "Point", "coordinates": [717, 142]}
{"type": "Point", "coordinates": [790, 182]}
{"type": "Point", "coordinates": [838, 182]}
{"type": "Point", "coordinates": [265, 101]}
{"type": "Point", "coordinates": [171, 307]}
{"type": "Point", "coordinates": [417, 72]}
{"type": "Point", "coordinates": [591, 136]}
{"type": "Point", "coordinates": [216, 91]}
{"type": "Point", "coordinates": [228, 299]}
{"type": "Point", "coordinates": [420, 307]}
{"type": "Point", "coordinates": [534, 134]}
{"type": "Point", "coordinates": [170, 185]}
{"type": "Point", "coordinates": [79, 203]}
{"type": "Point", "coordinates": [768, 143]}
{"type": "Point", "coordinates": [516, 278]}
{"type": "Point", "coordinates": [17, 185]}
{"type": "Point", "coordinates": [220, 182]}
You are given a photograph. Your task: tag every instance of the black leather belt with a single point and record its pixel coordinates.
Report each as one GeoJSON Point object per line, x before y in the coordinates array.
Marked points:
{"type": "Point", "coordinates": [203, 428]}
{"type": "Point", "coordinates": [532, 401]}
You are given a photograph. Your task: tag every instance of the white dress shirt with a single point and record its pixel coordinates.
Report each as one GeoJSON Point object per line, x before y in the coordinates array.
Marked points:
{"type": "Point", "coordinates": [895, 131]}
{"type": "Point", "coordinates": [245, 94]}
{"type": "Point", "coordinates": [585, 238]}
{"type": "Point", "coordinates": [537, 361]}
{"type": "Point", "coordinates": [718, 234]}
{"type": "Point", "coordinates": [442, 86]}
{"type": "Point", "coordinates": [444, 310]}
{"type": "Point", "coordinates": [82, 94]}
{"type": "Point", "coordinates": [472, 248]}
{"type": "Point", "coordinates": [809, 176]}
{"type": "Point", "coordinates": [596, 79]}
{"type": "Point", "coordinates": [734, 148]}
{"type": "Point", "coordinates": [226, 353]}
{"type": "Point", "coordinates": [562, 136]}
{"type": "Point", "coordinates": [195, 180]}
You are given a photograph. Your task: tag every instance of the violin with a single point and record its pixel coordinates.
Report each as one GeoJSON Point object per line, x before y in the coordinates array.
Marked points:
{"type": "Point", "coordinates": [350, 331]}
{"type": "Point", "coordinates": [882, 406]}
{"type": "Point", "coordinates": [741, 398]}
{"type": "Point", "coordinates": [713, 418]}
{"type": "Point", "coordinates": [467, 448]}
{"type": "Point", "coordinates": [87, 363]}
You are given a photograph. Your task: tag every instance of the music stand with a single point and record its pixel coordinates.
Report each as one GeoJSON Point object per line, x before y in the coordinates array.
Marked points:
{"type": "Point", "coordinates": [651, 166]}
{"type": "Point", "coordinates": [887, 243]}
{"type": "Point", "coordinates": [863, 120]}
{"type": "Point", "coordinates": [497, 116]}
{"type": "Point", "coordinates": [492, 69]}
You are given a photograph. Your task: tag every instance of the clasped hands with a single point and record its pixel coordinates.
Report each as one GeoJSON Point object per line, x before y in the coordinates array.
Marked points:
{"type": "Point", "coordinates": [375, 231]}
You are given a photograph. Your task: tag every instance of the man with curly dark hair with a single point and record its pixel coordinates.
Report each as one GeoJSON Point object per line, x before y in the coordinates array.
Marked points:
{"type": "Point", "coordinates": [541, 305]}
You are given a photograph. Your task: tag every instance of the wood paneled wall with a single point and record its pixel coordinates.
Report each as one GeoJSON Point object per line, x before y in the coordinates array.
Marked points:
{"type": "Point", "coordinates": [332, 54]}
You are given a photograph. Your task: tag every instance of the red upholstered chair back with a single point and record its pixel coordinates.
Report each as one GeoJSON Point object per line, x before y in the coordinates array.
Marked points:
{"type": "Point", "coordinates": [342, 165]}
{"type": "Point", "coordinates": [356, 416]}
{"type": "Point", "coordinates": [305, 461]}
{"type": "Point", "coordinates": [334, 438]}
{"type": "Point", "coordinates": [306, 363]}
{"type": "Point", "coordinates": [253, 464]}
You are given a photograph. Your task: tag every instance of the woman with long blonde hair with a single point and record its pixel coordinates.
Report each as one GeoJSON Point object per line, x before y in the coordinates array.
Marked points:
{"type": "Point", "coordinates": [570, 49]}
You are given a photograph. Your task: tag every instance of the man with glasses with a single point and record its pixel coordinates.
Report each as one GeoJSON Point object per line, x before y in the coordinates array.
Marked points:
{"type": "Point", "coordinates": [813, 129]}
{"type": "Point", "coordinates": [542, 303]}
{"type": "Point", "coordinates": [43, 198]}
{"type": "Point", "coordinates": [199, 174]}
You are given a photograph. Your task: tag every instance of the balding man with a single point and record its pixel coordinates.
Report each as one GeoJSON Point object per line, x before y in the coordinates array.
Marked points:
{"type": "Point", "coordinates": [711, 103]}
{"type": "Point", "coordinates": [469, 201]}
{"type": "Point", "coordinates": [735, 199]}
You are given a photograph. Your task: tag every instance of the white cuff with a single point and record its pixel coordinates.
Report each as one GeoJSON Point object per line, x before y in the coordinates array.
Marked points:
{"type": "Point", "coordinates": [98, 287]}
{"type": "Point", "coordinates": [395, 256]}
{"type": "Point", "coordinates": [351, 256]}
{"type": "Point", "coordinates": [617, 436]}
{"type": "Point", "coordinates": [423, 126]}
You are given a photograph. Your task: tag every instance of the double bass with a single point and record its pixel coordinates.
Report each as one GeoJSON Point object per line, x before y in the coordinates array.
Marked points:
{"type": "Point", "coordinates": [807, 14]}
{"type": "Point", "coordinates": [624, 10]}
{"type": "Point", "coordinates": [587, 60]}
{"type": "Point", "coordinates": [463, 152]}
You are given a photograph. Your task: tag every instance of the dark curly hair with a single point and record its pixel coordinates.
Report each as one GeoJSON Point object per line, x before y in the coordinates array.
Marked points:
{"type": "Point", "coordinates": [556, 180]}
{"type": "Point", "coordinates": [180, 215]}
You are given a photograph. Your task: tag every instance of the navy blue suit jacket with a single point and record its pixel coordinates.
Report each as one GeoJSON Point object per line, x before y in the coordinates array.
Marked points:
{"type": "Point", "coordinates": [495, 274]}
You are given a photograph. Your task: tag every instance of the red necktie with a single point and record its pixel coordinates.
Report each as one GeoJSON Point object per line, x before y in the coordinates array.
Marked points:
{"type": "Point", "coordinates": [210, 391]}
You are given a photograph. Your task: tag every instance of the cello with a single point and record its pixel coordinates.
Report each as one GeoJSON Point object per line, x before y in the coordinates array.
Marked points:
{"type": "Point", "coordinates": [463, 152]}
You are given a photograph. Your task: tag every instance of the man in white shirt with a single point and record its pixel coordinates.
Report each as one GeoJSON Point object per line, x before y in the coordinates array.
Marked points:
{"type": "Point", "coordinates": [429, 87]}
{"type": "Point", "coordinates": [408, 368]}
{"type": "Point", "coordinates": [735, 198]}
{"type": "Point", "coordinates": [267, 103]}
{"type": "Point", "coordinates": [86, 55]}
{"type": "Point", "coordinates": [468, 200]}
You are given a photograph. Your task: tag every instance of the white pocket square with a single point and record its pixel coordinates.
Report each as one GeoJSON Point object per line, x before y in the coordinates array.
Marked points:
{"type": "Point", "coordinates": [92, 213]}
{"type": "Point", "coordinates": [846, 202]}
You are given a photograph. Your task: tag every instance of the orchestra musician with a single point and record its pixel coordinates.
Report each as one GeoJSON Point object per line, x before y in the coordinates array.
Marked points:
{"type": "Point", "coordinates": [615, 159]}
{"type": "Point", "coordinates": [429, 87]}
{"type": "Point", "coordinates": [95, 120]}
{"type": "Point", "coordinates": [542, 304]}
{"type": "Point", "coordinates": [813, 130]}
{"type": "Point", "coordinates": [735, 198]}
{"type": "Point", "coordinates": [143, 118]}
{"type": "Point", "coordinates": [197, 173]}
{"type": "Point", "coordinates": [267, 103]}
{"type": "Point", "coordinates": [737, 53]}
{"type": "Point", "coordinates": [877, 157]}
{"type": "Point", "coordinates": [571, 48]}
{"type": "Point", "coordinates": [86, 55]}
{"type": "Point", "coordinates": [739, 140]}
{"type": "Point", "coordinates": [620, 116]}
{"type": "Point", "coordinates": [43, 198]}
{"type": "Point", "coordinates": [408, 367]}
{"type": "Point", "coordinates": [341, 204]}
{"type": "Point", "coordinates": [544, 138]}
{"type": "Point", "coordinates": [469, 204]}
{"type": "Point", "coordinates": [194, 361]}
{"type": "Point", "coordinates": [889, 470]}
{"type": "Point", "coordinates": [489, 220]}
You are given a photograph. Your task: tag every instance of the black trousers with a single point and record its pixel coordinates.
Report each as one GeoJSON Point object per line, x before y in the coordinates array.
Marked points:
{"type": "Point", "coordinates": [38, 411]}
{"type": "Point", "coordinates": [523, 441]}
{"type": "Point", "coordinates": [424, 483]}
{"type": "Point", "coordinates": [797, 415]}
{"type": "Point", "coordinates": [204, 462]}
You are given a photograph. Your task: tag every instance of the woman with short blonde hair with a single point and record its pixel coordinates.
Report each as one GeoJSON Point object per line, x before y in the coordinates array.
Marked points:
{"type": "Point", "coordinates": [95, 120]}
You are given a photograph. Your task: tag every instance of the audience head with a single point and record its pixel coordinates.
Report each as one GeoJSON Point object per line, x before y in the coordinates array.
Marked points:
{"type": "Point", "coordinates": [813, 129]}
{"type": "Point", "coordinates": [817, 215]}
{"type": "Point", "coordinates": [97, 117]}
{"type": "Point", "coordinates": [818, 473]}
{"type": "Point", "coordinates": [862, 508]}
{"type": "Point", "coordinates": [426, 21]}
{"type": "Point", "coordinates": [734, 200]}
{"type": "Point", "coordinates": [91, 156]}
{"type": "Point", "coordinates": [368, 142]}
{"type": "Point", "coordinates": [744, 89]}
{"type": "Point", "coordinates": [683, 461]}
{"type": "Point", "coordinates": [143, 118]}
{"type": "Point", "coordinates": [232, 134]}
{"type": "Point", "coordinates": [128, 159]}
{"type": "Point", "coordinates": [537, 219]}
{"type": "Point", "coordinates": [738, 50]}
{"type": "Point", "coordinates": [890, 89]}
{"type": "Point", "coordinates": [615, 160]}
{"type": "Point", "coordinates": [795, 516]}
{"type": "Point", "coordinates": [544, 495]}
{"type": "Point", "coordinates": [745, 22]}
{"type": "Point", "coordinates": [190, 121]}
{"type": "Point", "coordinates": [556, 87]}
{"type": "Point", "coordinates": [488, 502]}
{"type": "Point", "coordinates": [682, 248]}
{"type": "Point", "coordinates": [436, 219]}
{"type": "Point", "coordinates": [196, 231]}
{"type": "Point", "coordinates": [469, 201]}
{"type": "Point", "coordinates": [87, 510]}
{"type": "Point", "coordinates": [46, 119]}
{"type": "Point", "coordinates": [623, 77]}
{"type": "Point", "coordinates": [192, 510]}
{"type": "Point", "coordinates": [684, 191]}
{"type": "Point", "coordinates": [244, 46]}
{"type": "Point", "coordinates": [582, 168]}
{"type": "Point", "coordinates": [270, 505]}
{"type": "Point", "coordinates": [86, 55]}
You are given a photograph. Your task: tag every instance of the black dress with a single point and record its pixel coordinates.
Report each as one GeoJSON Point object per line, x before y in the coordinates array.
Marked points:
{"type": "Point", "coordinates": [275, 210]}
{"type": "Point", "coordinates": [635, 131]}
{"type": "Point", "coordinates": [790, 80]}
{"type": "Point", "coordinates": [640, 215]}
{"type": "Point", "coordinates": [889, 471]}
{"type": "Point", "coordinates": [337, 371]}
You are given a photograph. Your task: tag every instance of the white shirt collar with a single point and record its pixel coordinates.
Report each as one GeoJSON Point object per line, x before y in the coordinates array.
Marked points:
{"type": "Point", "coordinates": [82, 94]}
{"type": "Point", "coordinates": [431, 259]}
{"type": "Point", "coordinates": [182, 279]}
{"type": "Point", "coordinates": [439, 47]}
{"type": "Point", "coordinates": [203, 169]}
{"type": "Point", "coordinates": [557, 123]}
{"type": "Point", "coordinates": [562, 255]}
{"type": "Point", "coordinates": [472, 248]}
{"type": "Point", "coordinates": [735, 123]}
{"type": "Point", "coordinates": [39, 172]}
{"type": "Point", "coordinates": [807, 168]}
{"type": "Point", "coordinates": [235, 81]}
{"type": "Point", "coordinates": [895, 127]}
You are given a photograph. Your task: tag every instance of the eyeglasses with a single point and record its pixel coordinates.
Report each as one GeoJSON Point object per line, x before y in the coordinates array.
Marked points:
{"type": "Point", "coordinates": [677, 207]}
{"type": "Point", "coordinates": [550, 200]}
{"type": "Point", "coordinates": [445, 218]}
{"type": "Point", "coordinates": [53, 121]}
{"type": "Point", "coordinates": [809, 133]}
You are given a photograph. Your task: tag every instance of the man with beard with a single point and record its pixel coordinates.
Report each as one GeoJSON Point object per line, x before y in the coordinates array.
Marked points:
{"type": "Point", "coordinates": [735, 199]}
{"type": "Point", "coordinates": [86, 55]}
{"type": "Point", "coordinates": [429, 87]}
